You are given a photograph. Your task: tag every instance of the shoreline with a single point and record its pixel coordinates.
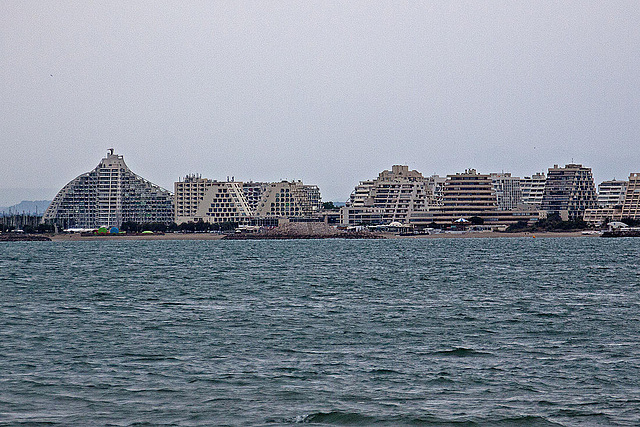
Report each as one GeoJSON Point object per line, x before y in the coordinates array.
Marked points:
{"type": "Point", "coordinates": [391, 236]}
{"type": "Point", "coordinates": [494, 235]}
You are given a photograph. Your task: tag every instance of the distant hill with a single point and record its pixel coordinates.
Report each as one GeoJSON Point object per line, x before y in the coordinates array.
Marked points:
{"type": "Point", "coordinates": [27, 206]}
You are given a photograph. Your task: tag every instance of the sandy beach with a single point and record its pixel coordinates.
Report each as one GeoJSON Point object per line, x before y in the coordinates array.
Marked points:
{"type": "Point", "coordinates": [118, 237]}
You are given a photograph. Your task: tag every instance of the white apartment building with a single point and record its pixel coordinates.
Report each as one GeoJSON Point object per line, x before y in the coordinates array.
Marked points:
{"type": "Point", "coordinates": [631, 204]}
{"type": "Point", "coordinates": [507, 190]}
{"type": "Point", "coordinates": [470, 194]}
{"type": "Point", "coordinates": [201, 199]}
{"type": "Point", "coordinates": [617, 210]}
{"type": "Point", "coordinates": [108, 196]}
{"type": "Point", "coordinates": [392, 197]}
{"type": "Point", "coordinates": [611, 193]}
{"type": "Point", "coordinates": [287, 199]}
{"type": "Point", "coordinates": [569, 191]}
{"type": "Point", "coordinates": [532, 189]}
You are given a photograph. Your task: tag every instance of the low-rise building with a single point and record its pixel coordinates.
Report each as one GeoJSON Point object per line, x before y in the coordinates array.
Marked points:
{"type": "Point", "coordinates": [598, 216]}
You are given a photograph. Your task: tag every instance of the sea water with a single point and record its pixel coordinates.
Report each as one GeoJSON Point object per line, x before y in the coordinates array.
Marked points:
{"type": "Point", "coordinates": [336, 332]}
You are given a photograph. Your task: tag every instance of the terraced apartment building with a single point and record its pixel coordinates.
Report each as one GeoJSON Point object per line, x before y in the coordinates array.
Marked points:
{"type": "Point", "coordinates": [107, 196]}
{"type": "Point", "coordinates": [611, 193]}
{"type": "Point", "coordinates": [202, 199]}
{"type": "Point", "coordinates": [392, 197]}
{"type": "Point", "coordinates": [569, 191]}
{"type": "Point", "coordinates": [616, 209]}
{"type": "Point", "coordinates": [532, 189]}
{"type": "Point", "coordinates": [631, 204]}
{"type": "Point", "coordinates": [405, 196]}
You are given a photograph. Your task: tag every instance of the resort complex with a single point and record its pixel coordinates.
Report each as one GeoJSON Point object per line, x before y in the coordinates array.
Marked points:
{"type": "Point", "coordinates": [111, 195]}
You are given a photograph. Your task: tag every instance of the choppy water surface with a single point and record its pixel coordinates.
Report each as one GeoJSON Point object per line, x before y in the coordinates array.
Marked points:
{"type": "Point", "coordinates": [429, 332]}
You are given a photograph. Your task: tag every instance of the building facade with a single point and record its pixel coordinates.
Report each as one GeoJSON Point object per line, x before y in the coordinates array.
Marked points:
{"type": "Point", "coordinates": [435, 183]}
{"type": "Point", "coordinates": [201, 199]}
{"type": "Point", "coordinates": [631, 204]}
{"type": "Point", "coordinates": [507, 190]}
{"type": "Point", "coordinates": [611, 193]}
{"type": "Point", "coordinates": [532, 189]}
{"type": "Point", "coordinates": [392, 197]}
{"type": "Point", "coordinates": [253, 193]}
{"type": "Point", "coordinates": [467, 195]}
{"type": "Point", "coordinates": [569, 191]}
{"type": "Point", "coordinates": [288, 199]}
{"type": "Point", "coordinates": [107, 196]}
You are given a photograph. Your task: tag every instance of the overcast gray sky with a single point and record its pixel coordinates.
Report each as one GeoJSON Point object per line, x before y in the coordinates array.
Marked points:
{"type": "Point", "coordinates": [327, 92]}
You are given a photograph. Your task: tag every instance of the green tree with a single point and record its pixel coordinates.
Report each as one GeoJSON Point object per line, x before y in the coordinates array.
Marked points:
{"type": "Point", "coordinates": [130, 227]}
{"type": "Point", "coordinates": [45, 228]}
{"type": "Point", "coordinates": [228, 226]}
{"type": "Point", "coordinates": [476, 220]}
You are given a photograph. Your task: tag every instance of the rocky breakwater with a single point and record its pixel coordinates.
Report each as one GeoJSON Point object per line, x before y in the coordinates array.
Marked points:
{"type": "Point", "coordinates": [304, 230]}
{"type": "Point", "coordinates": [19, 237]}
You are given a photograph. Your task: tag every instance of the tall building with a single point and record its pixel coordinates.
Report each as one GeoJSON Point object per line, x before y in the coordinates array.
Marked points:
{"type": "Point", "coordinates": [468, 195]}
{"type": "Point", "coordinates": [611, 193]}
{"type": "Point", "coordinates": [569, 191]}
{"type": "Point", "coordinates": [289, 199]}
{"type": "Point", "coordinates": [392, 197]}
{"type": "Point", "coordinates": [107, 196]}
{"type": "Point", "coordinates": [631, 205]}
{"type": "Point", "coordinates": [188, 194]}
{"type": "Point", "coordinates": [201, 199]}
{"type": "Point", "coordinates": [507, 190]}
{"type": "Point", "coordinates": [532, 188]}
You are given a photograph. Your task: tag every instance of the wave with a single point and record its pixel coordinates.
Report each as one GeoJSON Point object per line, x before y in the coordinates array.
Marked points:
{"type": "Point", "coordinates": [356, 419]}
{"type": "Point", "coordinates": [462, 352]}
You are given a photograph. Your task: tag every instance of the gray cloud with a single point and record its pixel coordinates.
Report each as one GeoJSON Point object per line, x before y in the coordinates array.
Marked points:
{"type": "Point", "coordinates": [327, 92]}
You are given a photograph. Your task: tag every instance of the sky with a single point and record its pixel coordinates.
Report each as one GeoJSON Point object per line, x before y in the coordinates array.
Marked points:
{"type": "Point", "coordinates": [329, 92]}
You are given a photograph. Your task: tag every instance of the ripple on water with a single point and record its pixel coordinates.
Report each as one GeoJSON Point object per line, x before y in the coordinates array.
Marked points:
{"type": "Point", "coordinates": [442, 332]}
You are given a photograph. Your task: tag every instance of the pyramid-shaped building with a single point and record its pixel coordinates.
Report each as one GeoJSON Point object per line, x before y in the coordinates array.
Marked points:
{"type": "Point", "coordinates": [108, 196]}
